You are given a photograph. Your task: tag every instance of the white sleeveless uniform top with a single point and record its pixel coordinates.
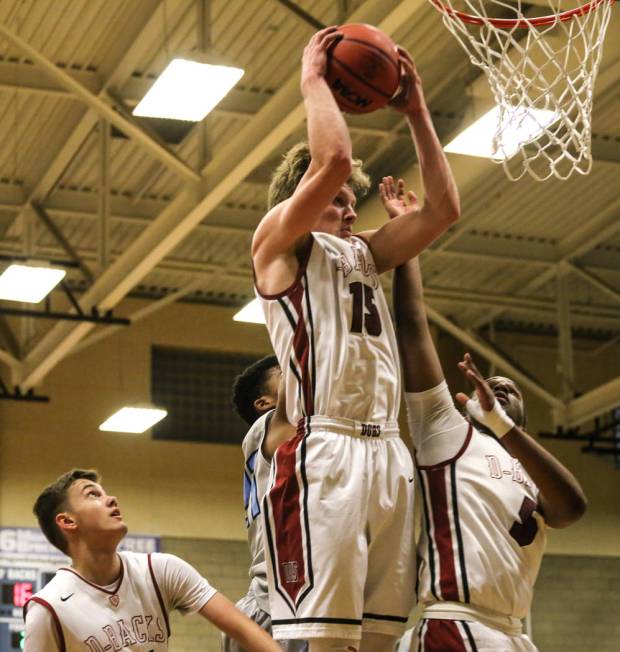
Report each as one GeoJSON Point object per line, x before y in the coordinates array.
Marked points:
{"type": "Point", "coordinates": [255, 484]}
{"type": "Point", "coordinates": [332, 333]}
{"type": "Point", "coordinates": [482, 538]}
{"type": "Point", "coordinates": [131, 615]}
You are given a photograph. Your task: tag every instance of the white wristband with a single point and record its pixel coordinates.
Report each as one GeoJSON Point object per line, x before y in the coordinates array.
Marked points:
{"type": "Point", "coordinates": [495, 419]}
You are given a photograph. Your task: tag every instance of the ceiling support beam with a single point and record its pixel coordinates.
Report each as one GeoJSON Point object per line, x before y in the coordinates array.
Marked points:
{"type": "Point", "coordinates": [590, 405]}
{"type": "Point", "coordinates": [104, 194]}
{"type": "Point", "coordinates": [566, 365]}
{"type": "Point", "coordinates": [141, 314]}
{"type": "Point", "coordinates": [51, 226]}
{"type": "Point", "coordinates": [101, 107]}
{"type": "Point", "coordinates": [596, 282]}
{"type": "Point", "coordinates": [501, 363]}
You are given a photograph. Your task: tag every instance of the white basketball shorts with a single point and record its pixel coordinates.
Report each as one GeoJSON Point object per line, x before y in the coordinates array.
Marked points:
{"type": "Point", "coordinates": [250, 608]}
{"type": "Point", "coordinates": [339, 531]}
{"type": "Point", "coordinates": [436, 635]}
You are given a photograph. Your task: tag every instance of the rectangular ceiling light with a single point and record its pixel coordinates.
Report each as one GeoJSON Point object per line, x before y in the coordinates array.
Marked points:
{"type": "Point", "coordinates": [187, 90]}
{"type": "Point", "coordinates": [29, 283]}
{"type": "Point", "coordinates": [133, 419]}
{"type": "Point", "coordinates": [521, 126]}
{"type": "Point", "coordinates": [252, 313]}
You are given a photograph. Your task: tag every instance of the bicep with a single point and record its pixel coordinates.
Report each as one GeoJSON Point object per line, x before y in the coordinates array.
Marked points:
{"type": "Point", "coordinates": [404, 237]}
{"type": "Point", "coordinates": [41, 634]}
{"type": "Point", "coordinates": [437, 428]}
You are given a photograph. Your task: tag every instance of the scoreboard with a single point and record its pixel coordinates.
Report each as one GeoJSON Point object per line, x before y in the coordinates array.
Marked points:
{"type": "Point", "coordinates": [17, 584]}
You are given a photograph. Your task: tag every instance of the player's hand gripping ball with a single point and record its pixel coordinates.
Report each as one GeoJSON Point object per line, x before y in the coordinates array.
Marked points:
{"type": "Point", "coordinates": [363, 69]}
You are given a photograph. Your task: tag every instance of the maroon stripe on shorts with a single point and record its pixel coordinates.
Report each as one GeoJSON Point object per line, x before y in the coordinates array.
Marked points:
{"type": "Point", "coordinates": [443, 536]}
{"type": "Point", "coordinates": [442, 636]}
{"type": "Point", "coordinates": [285, 500]}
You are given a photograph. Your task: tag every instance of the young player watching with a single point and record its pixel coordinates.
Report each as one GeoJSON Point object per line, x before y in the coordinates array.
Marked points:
{"type": "Point", "coordinates": [338, 516]}
{"type": "Point", "coordinates": [110, 600]}
{"type": "Point", "coordinates": [488, 489]}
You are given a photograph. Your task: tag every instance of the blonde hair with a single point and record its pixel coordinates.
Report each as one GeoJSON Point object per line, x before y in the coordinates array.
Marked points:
{"type": "Point", "coordinates": [295, 162]}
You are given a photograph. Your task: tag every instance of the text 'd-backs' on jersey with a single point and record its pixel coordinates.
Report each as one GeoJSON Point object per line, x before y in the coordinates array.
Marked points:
{"type": "Point", "coordinates": [332, 333]}
{"type": "Point", "coordinates": [89, 618]}
{"type": "Point", "coordinates": [482, 538]}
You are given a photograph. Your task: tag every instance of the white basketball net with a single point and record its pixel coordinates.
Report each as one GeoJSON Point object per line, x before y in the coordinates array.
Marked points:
{"type": "Point", "coordinates": [541, 75]}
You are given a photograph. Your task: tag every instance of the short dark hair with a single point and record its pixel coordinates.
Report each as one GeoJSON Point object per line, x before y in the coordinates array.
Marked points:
{"type": "Point", "coordinates": [53, 500]}
{"type": "Point", "coordinates": [249, 385]}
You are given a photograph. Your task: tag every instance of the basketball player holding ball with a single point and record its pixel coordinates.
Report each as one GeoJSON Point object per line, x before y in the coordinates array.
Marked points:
{"type": "Point", "coordinates": [338, 516]}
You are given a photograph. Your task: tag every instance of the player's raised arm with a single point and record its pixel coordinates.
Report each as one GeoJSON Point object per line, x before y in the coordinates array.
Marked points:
{"type": "Point", "coordinates": [420, 362]}
{"type": "Point", "coordinates": [410, 233]}
{"type": "Point", "coordinates": [226, 617]}
{"type": "Point", "coordinates": [561, 499]}
{"type": "Point", "coordinates": [279, 233]}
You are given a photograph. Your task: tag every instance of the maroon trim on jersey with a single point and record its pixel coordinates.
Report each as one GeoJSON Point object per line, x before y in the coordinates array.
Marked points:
{"type": "Point", "coordinates": [158, 592]}
{"type": "Point", "coordinates": [442, 636]}
{"type": "Point", "coordinates": [440, 465]}
{"type": "Point", "coordinates": [284, 497]}
{"type": "Point", "coordinates": [301, 346]}
{"type": "Point", "coordinates": [48, 606]}
{"type": "Point", "coordinates": [96, 586]}
{"type": "Point", "coordinates": [448, 585]}
{"type": "Point", "coordinates": [300, 272]}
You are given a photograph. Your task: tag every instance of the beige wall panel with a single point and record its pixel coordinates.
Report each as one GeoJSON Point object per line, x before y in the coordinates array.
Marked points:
{"type": "Point", "coordinates": [194, 490]}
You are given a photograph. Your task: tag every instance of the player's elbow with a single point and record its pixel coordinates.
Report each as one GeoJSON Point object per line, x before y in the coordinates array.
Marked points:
{"type": "Point", "coordinates": [338, 164]}
{"type": "Point", "coordinates": [570, 513]}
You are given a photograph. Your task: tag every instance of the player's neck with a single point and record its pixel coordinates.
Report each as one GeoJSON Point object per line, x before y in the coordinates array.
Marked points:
{"type": "Point", "coordinates": [101, 567]}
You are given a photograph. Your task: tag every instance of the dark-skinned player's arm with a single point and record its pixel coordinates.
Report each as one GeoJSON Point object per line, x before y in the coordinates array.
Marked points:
{"type": "Point", "coordinates": [220, 611]}
{"type": "Point", "coordinates": [562, 500]}
{"type": "Point", "coordinates": [280, 429]}
{"type": "Point", "coordinates": [286, 227]}
{"type": "Point", "coordinates": [410, 233]}
{"type": "Point", "coordinates": [420, 362]}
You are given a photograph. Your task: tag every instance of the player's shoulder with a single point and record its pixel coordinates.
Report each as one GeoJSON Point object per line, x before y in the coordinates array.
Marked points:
{"type": "Point", "coordinates": [254, 436]}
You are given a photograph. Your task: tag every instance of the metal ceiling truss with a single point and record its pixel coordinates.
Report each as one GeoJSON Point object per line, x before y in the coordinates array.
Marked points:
{"type": "Point", "coordinates": [276, 119]}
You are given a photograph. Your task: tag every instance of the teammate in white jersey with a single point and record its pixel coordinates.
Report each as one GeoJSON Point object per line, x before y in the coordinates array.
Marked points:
{"type": "Point", "coordinates": [116, 601]}
{"type": "Point", "coordinates": [255, 395]}
{"type": "Point", "coordinates": [338, 516]}
{"type": "Point", "coordinates": [488, 490]}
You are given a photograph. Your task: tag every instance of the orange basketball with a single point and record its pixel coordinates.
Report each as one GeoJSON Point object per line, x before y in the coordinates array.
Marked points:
{"type": "Point", "coordinates": [363, 70]}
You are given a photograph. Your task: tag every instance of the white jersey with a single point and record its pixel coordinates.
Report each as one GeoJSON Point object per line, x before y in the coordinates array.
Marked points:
{"type": "Point", "coordinates": [482, 537]}
{"type": "Point", "coordinates": [70, 614]}
{"type": "Point", "coordinates": [255, 483]}
{"type": "Point", "coordinates": [332, 333]}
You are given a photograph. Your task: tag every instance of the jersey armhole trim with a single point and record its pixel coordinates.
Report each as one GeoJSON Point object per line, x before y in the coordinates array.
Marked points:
{"type": "Point", "coordinates": [52, 611]}
{"type": "Point", "coordinates": [300, 272]}
{"type": "Point", "coordinates": [363, 239]}
{"type": "Point", "coordinates": [158, 593]}
{"type": "Point", "coordinates": [453, 459]}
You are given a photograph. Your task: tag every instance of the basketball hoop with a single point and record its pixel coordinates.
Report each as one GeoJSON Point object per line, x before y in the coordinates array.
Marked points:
{"type": "Point", "coordinates": [535, 65]}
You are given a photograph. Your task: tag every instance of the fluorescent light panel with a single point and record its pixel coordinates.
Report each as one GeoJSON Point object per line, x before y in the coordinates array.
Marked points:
{"type": "Point", "coordinates": [133, 419]}
{"type": "Point", "coordinates": [520, 126]}
{"type": "Point", "coordinates": [252, 313]}
{"type": "Point", "coordinates": [187, 90]}
{"type": "Point", "coordinates": [29, 284]}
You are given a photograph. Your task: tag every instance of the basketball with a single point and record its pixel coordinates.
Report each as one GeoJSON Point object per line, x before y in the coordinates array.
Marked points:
{"type": "Point", "coordinates": [363, 70]}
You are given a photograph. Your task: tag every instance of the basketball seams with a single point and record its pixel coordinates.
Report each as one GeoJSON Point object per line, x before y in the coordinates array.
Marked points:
{"type": "Point", "coordinates": [360, 78]}
{"type": "Point", "coordinates": [376, 49]}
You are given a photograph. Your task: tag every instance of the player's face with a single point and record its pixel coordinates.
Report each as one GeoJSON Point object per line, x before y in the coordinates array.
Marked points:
{"type": "Point", "coordinates": [509, 397]}
{"type": "Point", "coordinates": [338, 218]}
{"type": "Point", "coordinates": [95, 513]}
